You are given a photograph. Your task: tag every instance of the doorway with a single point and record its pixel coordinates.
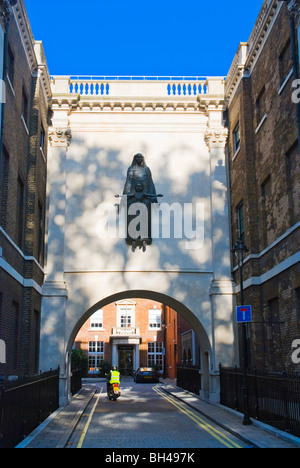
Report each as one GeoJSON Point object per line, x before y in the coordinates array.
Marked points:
{"type": "Point", "coordinates": [125, 360]}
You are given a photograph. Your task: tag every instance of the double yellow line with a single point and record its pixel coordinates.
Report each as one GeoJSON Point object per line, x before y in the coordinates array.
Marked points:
{"type": "Point", "coordinates": [87, 425]}
{"type": "Point", "coordinates": [215, 433]}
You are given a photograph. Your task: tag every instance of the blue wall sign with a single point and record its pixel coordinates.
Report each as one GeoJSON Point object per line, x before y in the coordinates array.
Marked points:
{"type": "Point", "coordinates": [244, 314]}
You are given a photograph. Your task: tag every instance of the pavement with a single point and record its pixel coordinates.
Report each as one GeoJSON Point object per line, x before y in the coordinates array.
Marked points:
{"type": "Point", "coordinates": [57, 430]}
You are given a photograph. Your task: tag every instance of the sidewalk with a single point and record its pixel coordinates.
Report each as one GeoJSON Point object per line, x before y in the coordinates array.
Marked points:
{"type": "Point", "coordinates": [56, 431]}
{"type": "Point", "coordinates": [58, 428]}
{"type": "Point", "coordinates": [259, 435]}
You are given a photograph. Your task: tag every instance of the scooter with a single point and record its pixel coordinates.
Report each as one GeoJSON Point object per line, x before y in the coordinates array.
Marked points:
{"type": "Point", "coordinates": [114, 392]}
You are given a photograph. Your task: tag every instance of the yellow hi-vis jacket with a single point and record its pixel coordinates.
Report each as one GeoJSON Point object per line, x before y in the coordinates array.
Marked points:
{"type": "Point", "coordinates": [114, 377]}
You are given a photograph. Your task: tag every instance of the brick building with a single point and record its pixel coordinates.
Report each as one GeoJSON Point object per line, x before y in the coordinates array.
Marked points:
{"type": "Point", "coordinates": [133, 333]}
{"type": "Point", "coordinates": [24, 125]}
{"type": "Point", "coordinates": [265, 183]}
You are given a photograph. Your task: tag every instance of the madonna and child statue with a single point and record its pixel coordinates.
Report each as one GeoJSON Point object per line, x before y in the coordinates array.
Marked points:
{"type": "Point", "coordinates": [139, 195]}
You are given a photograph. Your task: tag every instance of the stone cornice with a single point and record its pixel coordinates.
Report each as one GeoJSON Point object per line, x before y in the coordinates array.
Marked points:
{"type": "Point", "coordinates": [248, 52]}
{"type": "Point", "coordinates": [202, 104]}
{"type": "Point", "coordinates": [84, 103]}
{"type": "Point", "coordinates": [261, 29]}
{"type": "Point", "coordinates": [42, 68]}
{"type": "Point", "coordinates": [25, 32]}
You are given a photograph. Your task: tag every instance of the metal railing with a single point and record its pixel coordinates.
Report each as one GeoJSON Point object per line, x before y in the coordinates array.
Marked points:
{"type": "Point", "coordinates": [25, 404]}
{"type": "Point", "coordinates": [189, 378]}
{"type": "Point", "coordinates": [76, 381]}
{"type": "Point", "coordinates": [273, 398]}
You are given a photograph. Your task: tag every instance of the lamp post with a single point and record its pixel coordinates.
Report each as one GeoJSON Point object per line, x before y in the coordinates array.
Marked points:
{"type": "Point", "coordinates": [164, 327]}
{"type": "Point", "coordinates": [240, 249]}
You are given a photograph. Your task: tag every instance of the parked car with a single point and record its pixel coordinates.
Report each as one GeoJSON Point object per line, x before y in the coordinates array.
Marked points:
{"type": "Point", "coordinates": [146, 374]}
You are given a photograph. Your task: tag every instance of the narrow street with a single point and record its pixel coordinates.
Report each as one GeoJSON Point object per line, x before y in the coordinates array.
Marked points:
{"type": "Point", "coordinates": [145, 417]}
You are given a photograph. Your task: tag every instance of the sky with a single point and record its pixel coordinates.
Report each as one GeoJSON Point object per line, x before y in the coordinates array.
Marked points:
{"type": "Point", "coordinates": [141, 37]}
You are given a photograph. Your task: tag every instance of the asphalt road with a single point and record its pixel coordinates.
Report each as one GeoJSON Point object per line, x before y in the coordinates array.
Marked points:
{"type": "Point", "coordinates": [145, 417]}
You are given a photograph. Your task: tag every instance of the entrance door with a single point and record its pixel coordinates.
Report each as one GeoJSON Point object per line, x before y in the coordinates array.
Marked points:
{"type": "Point", "coordinates": [126, 360]}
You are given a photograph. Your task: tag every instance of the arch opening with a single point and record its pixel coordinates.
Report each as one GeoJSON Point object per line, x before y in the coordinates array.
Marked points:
{"type": "Point", "coordinates": [199, 334]}
{"type": "Point", "coordinates": [174, 304]}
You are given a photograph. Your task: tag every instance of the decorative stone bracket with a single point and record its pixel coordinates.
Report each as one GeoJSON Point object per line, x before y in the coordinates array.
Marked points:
{"type": "Point", "coordinates": [60, 137]}
{"type": "Point", "coordinates": [216, 137]}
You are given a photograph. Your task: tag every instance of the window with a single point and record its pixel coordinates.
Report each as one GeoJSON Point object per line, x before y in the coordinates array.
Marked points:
{"type": "Point", "coordinates": [285, 62]}
{"type": "Point", "coordinates": [20, 213]}
{"type": "Point", "coordinates": [5, 186]}
{"type": "Point", "coordinates": [155, 355]}
{"type": "Point", "coordinates": [97, 320]}
{"type": "Point", "coordinates": [96, 347]}
{"type": "Point", "coordinates": [126, 314]}
{"type": "Point", "coordinates": [40, 233]}
{"type": "Point", "coordinates": [266, 195]}
{"type": "Point", "coordinates": [155, 319]}
{"type": "Point", "coordinates": [261, 106]}
{"type": "Point", "coordinates": [10, 66]}
{"type": "Point", "coordinates": [25, 107]}
{"type": "Point", "coordinates": [42, 138]}
{"type": "Point", "coordinates": [96, 355]}
{"type": "Point", "coordinates": [293, 182]}
{"type": "Point", "coordinates": [240, 221]}
{"type": "Point", "coordinates": [126, 321]}
{"type": "Point", "coordinates": [236, 138]}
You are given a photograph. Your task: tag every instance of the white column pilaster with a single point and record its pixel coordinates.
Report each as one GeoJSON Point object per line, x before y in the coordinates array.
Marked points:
{"type": "Point", "coordinates": [55, 293]}
{"type": "Point", "coordinates": [222, 288]}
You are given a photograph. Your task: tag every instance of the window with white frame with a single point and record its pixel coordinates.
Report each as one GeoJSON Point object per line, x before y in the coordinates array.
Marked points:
{"type": "Point", "coordinates": [126, 314]}
{"type": "Point", "coordinates": [155, 319]}
{"type": "Point", "coordinates": [236, 138]}
{"type": "Point", "coordinates": [155, 355]}
{"type": "Point", "coordinates": [97, 320]}
{"type": "Point", "coordinates": [96, 355]}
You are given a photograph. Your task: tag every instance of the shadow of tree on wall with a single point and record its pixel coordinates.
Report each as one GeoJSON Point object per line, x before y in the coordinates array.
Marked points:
{"type": "Point", "coordinates": [94, 175]}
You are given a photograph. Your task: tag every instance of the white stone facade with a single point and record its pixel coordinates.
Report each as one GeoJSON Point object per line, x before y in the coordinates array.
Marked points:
{"type": "Point", "coordinates": [98, 125]}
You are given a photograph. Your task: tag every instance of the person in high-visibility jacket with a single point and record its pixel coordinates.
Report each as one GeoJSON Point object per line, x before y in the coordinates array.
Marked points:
{"type": "Point", "coordinates": [113, 377]}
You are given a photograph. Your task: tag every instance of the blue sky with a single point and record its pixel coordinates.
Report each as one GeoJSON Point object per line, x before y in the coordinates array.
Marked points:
{"type": "Point", "coordinates": [141, 37]}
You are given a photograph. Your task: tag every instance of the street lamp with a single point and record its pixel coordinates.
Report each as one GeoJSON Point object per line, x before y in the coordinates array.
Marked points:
{"type": "Point", "coordinates": [240, 249]}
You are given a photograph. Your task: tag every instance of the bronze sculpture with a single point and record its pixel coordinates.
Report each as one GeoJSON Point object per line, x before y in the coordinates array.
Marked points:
{"type": "Point", "coordinates": [139, 190]}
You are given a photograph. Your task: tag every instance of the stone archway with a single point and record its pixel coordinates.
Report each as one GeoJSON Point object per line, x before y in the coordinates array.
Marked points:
{"type": "Point", "coordinates": [180, 308]}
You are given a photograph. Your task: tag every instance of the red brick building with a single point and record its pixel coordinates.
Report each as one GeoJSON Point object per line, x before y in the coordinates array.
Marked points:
{"type": "Point", "coordinates": [133, 333]}
{"type": "Point", "coordinates": [23, 151]}
{"type": "Point", "coordinates": [265, 183]}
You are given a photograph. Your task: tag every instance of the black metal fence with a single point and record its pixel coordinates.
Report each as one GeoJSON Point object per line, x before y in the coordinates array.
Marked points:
{"type": "Point", "coordinates": [26, 404]}
{"type": "Point", "coordinates": [76, 381]}
{"type": "Point", "coordinates": [189, 379]}
{"type": "Point", "coordinates": [273, 399]}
